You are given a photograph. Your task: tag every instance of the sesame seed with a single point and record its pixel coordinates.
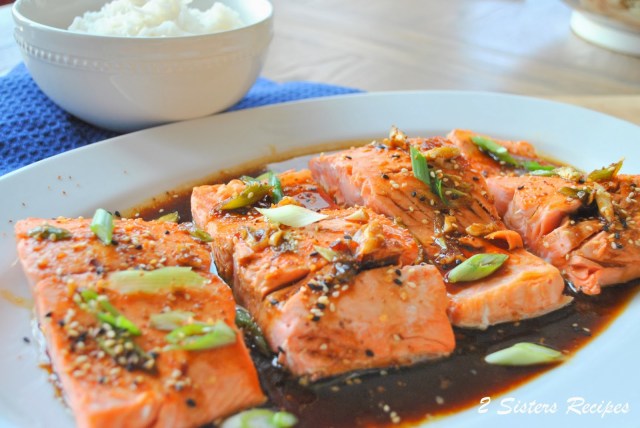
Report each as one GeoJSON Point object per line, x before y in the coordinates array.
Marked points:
{"type": "Point", "coordinates": [190, 402]}
{"type": "Point", "coordinates": [439, 400]}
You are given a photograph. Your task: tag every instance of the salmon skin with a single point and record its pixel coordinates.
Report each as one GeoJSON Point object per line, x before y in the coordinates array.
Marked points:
{"type": "Point", "coordinates": [452, 224]}
{"type": "Point", "coordinates": [561, 221]}
{"type": "Point", "coordinates": [110, 376]}
{"type": "Point", "coordinates": [336, 295]}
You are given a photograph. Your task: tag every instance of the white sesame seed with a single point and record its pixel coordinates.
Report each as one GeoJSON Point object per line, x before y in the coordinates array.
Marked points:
{"type": "Point", "coordinates": [439, 400]}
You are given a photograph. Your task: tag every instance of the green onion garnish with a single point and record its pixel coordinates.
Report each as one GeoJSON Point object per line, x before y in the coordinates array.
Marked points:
{"type": "Point", "coordinates": [167, 278]}
{"type": "Point", "coordinates": [291, 215]}
{"type": "Point", "coordinates": [422, 172]}
{"type": "Point", "coordinates": [102, 225]}
{"type": "Point", "coordinates": [200, 336]}
{"type": "Point", "coordinates": [46, 231]}
{"type": "Point", "coordinates": [607, 173]}
{"type": "Point", "coordinates": [476, 267]}
{"type": "Point", "coordinates": [111, 315]}
{"type": "Point", "coordinates": [172, 217]}
{"type": "Point", "coordinates": [200, 235]}
{"type": "Point", "coordinates": [252, 193]}
{"type": "Point", "coordinates": [171, 320]}
{"type": "Point", "coordinates": [495, 150]}
{"type": "Point", "coordinates": [524, 354]}
{"type": "Point", "coordinates": [249, 326]}
{"type": "Point", "coordinates": [260, 418]}
{"type": "Point", "coordinates": [276, 188]}
{"type": "Point", "coordinates": [535, 166]}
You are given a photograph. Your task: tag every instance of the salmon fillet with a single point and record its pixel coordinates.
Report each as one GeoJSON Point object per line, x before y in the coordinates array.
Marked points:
{"type": "Point", "coordinates": [487, 166]}
{"type": "Point", "coordinates": [317, 307]}
{"type": "Point", "coordinates": [136, 244]}
{"type": "Point", "coordinates": [381, 317]}
{"type": "Point", "coordinates": [380, 177]}
{"type": "Point", "coordinates": [181, 389]}
{"type": "Point", "coordinates": [591, 251]}
{"type": "Point", "coordinates": [205, 201]}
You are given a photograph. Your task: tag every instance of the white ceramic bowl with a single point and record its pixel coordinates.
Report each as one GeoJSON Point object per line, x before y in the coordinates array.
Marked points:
{"type": "Point", "coordinates": [130, 83]}
{"type": "Point", "coordinates": [613, 24]}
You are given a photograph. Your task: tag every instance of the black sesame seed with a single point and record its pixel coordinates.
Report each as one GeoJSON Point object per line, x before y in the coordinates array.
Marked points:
{"type": "Point", "coordinates": [138, 247]}
{"type": "Point", "coordinates": [114, 242]}
{"type": "Point", "coordinates": [348, 157]}
{"type": "Point", "coordinates": [190, 402]}
{"type": "Point", "coordinates": [26, 340]}
{"type": "Point", "coordinates": [321, 305]}
{"type": "Point", "coordinates": [398, 281]}
{"type": "Point", "coordinates": [398, 272]}
{"type": "Point", "coordinates": [61, 323]}
{"type": "Point", "coordinates": [315, 318]}
{"type": "Point", "coordinates": [385, 176]}
{"type": "Point", "coordinates": [474, 178]}
{"type": "Point", "coordinates": [166, 232]}
{"type": "Point", "coordinates": [617, 235]}
{"type": "Point", "coordinates": [520, 187]}
{"type": "Point", "coordinates": [48, 315]}
{"type": "Point", "coordinates": [605, 227]}
{"type": "Point", "coordinates": [273, 301]}
{"type": "Point", "coordinates": [414, 194]}
{"type": "Point", "coordinates": [422, 198]}
{"type": "Point", "coordinates": [369, 352]}
{"type": "Point", "coordinates": [619, 246]}
{"type": "Point", "coordinates": [347, 237]}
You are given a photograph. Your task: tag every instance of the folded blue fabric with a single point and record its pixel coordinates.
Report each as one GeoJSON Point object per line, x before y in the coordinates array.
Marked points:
{"type": "Point", "coordinates": [32, 127]}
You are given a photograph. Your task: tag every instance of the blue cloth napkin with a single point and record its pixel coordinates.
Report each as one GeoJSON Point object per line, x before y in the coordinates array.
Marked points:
{"type": "Point", "coordinates": [32, 127]}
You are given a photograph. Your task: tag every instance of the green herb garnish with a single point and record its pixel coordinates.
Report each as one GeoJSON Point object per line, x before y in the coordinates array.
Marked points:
{"type": "Point", "coordinates": [476, 267]}
{"type": "Point", "coordinates": [102, 226]}
{"type": "Point", "coordinates": [46, 231]}
{"type": "Point", "coordinates": [524, 354]}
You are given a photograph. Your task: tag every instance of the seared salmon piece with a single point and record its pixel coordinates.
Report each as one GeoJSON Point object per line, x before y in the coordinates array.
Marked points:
{"type": "Point", "coordinates": [223, 225]}
{"type": "Point", "coordinates": [110, 378]}
{"type": "Point", "coordinates": [136, 244]}
{"type": "Point", "coordinates": [338, 320]}
{"type": "Point", "coordinates": [269, 257]}
{"type": "Point", "coordinates": [570, 232]}
{"type": "Point", "coordinates": [380, 177]}
{"type": "Point", "coordinates": [487, 166]}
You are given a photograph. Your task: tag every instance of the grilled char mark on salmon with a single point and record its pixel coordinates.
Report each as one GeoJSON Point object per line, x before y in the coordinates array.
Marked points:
{"type": "Point", "coordinates": [223, 225]}
{"type": "Point", "coordinates": [179, 389]}
{"type": "Point", "coordinates": [136, 244]}
{"type": "Point", "coordinates": [592, 251]}
{"type": "Point", "coordinates": [380, 177]}
{"type": "Point", "coordinates": [339, 320]}
{"type": "Point", "coordinates": [487, 166]}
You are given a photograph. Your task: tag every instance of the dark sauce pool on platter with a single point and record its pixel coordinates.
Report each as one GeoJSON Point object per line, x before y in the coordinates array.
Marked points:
{"type": "Point", "coordinates": [426, 390]}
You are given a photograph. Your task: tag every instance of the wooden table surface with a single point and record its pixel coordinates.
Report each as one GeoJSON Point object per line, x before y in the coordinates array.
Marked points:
{"type": "Point", "coordinates": [515, 46]}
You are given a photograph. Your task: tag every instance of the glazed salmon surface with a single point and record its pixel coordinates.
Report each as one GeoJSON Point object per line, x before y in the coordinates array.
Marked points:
{"type": "Point", "coordinates": [380, 177]}
{"type": "Point", "coordinates": [221, 225]}
{"type": "Point", "coordinates": [136, 244]}
{"type": "Point", "coordinates": [179, 388]}
{"type": "Point", "coordinates": [591, 251]}
{"type": "Point", "coordinates": [483, 164]}
{"type": "Point", "coordinates": [301, 297]}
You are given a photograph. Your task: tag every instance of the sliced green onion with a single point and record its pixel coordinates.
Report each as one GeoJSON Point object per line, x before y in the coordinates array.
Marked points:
{"type": "Point", "coordinates": [566, 172]}
{"type": "Point", "coordinates": [102, 225]}
{"type": "Point", "coordinates": [494, 150]}
{"type": "Point", "coordinates": [171, 320]}
{"type": "Point", "coordinates": [46, 231]}
{"type": "Point", "coordinates": [200, 337]}
{"type": "Point", "coordinates": [252, 193]}
{"type": "Point", "coordinates": [276, 192]}
{"type": "Point", "coordinates": [604, 203]}
{"type": "Point", "coordinates": [248, 325]}
{"type": "Point", "coordinates": [584, 194]}
{"type": "Point", "coordinates": [167, 278]}
{"type": "Point", "coordinates": [535, 166]}
{"type": "Point", "coordinates": [476, 267]}
{"type": "Point", "coordinates": [112, 316]}
{"type": "Point", "coordinates": [420, 166]}
{"type": "Point", "coordinates": [607, 173]}
{"type": "Point", "coordinates": [260, 418]}
{"type": "Point", "coordinates": [291, 215]}
{"type": "Point", "coordinates": [422, 172]}
{"type": "Point", "coordinates": [524, 354]}
{"type": "Point", "coordinates": [327, 253]}
{"type": "Point", "coordinates": [200, 234]}
{"type": "Point", "coordinates": [173, 217]}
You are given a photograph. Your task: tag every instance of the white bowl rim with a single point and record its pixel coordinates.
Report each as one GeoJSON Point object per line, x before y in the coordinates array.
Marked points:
{"type": "Point", "coordinates": [20, 18]}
